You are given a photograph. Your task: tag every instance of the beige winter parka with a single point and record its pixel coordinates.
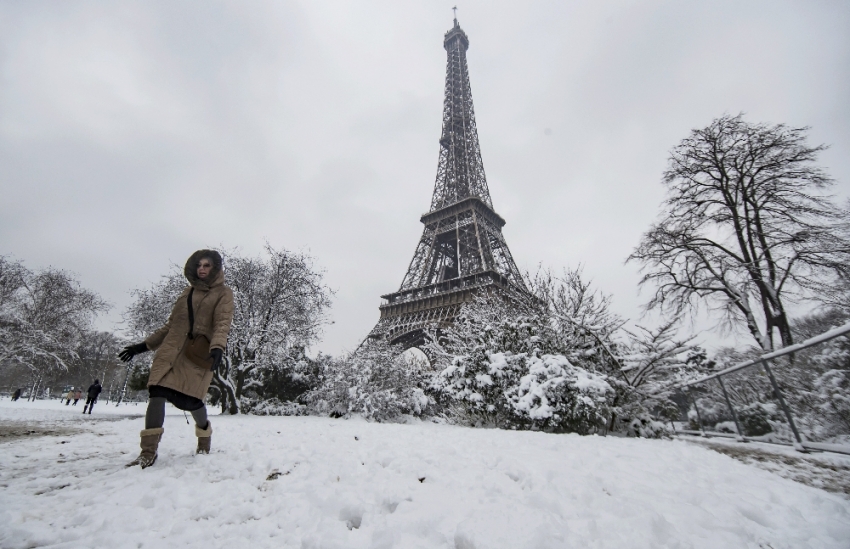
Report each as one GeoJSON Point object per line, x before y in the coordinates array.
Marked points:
{"type": "Point", "coordinates": [212, 303]}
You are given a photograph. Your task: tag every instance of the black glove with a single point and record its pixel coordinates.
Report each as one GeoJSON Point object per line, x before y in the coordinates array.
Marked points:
{"type": "Point", "coordinates": [216, 356]}
{"type": "Point", "coordinates": [128, 352]}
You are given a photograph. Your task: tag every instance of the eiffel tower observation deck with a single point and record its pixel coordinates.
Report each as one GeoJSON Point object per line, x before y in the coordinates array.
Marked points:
{"type": "Point", "coordinates": [462, 250]}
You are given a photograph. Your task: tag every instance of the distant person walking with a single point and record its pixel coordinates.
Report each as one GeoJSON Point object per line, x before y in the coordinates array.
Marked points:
{"type": "Point", "coordinates": [189, 349]}
{"type": "Point", "coordinates": [69, 396]}
{"type": "Point", "coordinates": [93, 393]}
{"type": "Point", "coordinates": [78, 394]}
{"type": "Point", "coordinates": [17, 395]}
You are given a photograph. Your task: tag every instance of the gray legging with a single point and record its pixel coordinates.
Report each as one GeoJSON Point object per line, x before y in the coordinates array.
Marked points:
{"type": "Point", "coordinates": [155, 415]}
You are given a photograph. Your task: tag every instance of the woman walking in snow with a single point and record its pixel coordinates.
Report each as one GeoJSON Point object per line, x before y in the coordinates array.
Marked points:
{"type": "Point", "coordinates": [189, 348]}
{"type": "Point", "coordinates": [69, 396]}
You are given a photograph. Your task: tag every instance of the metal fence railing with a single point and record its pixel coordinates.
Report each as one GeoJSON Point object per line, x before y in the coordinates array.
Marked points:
{"type": "Point", "coordinates": [746, 384]}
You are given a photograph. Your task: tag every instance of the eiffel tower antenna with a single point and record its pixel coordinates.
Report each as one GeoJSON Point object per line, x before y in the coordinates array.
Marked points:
{"type": "Point", "coordinates": [462, 250]}
{"type": "Point", "coordinates": [454, 9]}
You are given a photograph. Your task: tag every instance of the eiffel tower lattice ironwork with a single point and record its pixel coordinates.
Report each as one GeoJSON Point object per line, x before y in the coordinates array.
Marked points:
{"type": "Point", "coordinates": [462, 250]}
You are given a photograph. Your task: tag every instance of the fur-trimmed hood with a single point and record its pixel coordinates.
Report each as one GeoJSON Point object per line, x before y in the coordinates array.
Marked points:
{"type": "Point", "coordinates": [216, 276]}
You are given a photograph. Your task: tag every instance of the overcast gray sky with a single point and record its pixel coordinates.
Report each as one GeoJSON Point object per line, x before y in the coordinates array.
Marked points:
{"type": "Point", "coordinates": [133, 133]}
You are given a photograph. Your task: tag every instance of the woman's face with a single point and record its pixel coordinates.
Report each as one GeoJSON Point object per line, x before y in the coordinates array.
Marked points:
{"type": "Point", "coordinates": [204, 268]}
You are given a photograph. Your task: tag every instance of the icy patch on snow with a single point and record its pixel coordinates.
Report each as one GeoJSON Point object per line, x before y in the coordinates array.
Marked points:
{"type": "Point", "coordinates": [307, 482]}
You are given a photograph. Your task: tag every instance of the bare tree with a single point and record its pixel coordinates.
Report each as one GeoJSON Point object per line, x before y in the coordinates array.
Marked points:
{"type": "Point", "coordinates": [837, 298]}
{"type": "Point", "coordinates": [746, 228]}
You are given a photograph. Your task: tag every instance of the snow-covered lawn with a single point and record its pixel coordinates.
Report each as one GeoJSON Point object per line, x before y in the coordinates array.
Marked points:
{"type": "Point", "coordinates": [326, 483]}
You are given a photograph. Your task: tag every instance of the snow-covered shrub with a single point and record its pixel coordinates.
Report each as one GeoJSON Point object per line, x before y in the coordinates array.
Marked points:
{"type": "Point", "coordinates": [526, 391]}
{"type": "Point", "coordinates": [273, 407]}
{"type": "Point", "coordinates": [726, 427]}
{"type": "Point", "coordinates": [652, 363]}
{"type": "Point", "coordinates": [816, 381]}
{"type": "Point", "coordinates": [468, 382]}
{"type": "Point", "coordinates": [756, 418]}
{"type": "Point", "coordinates": [644, 426]}
{"type": "Point", "coordinates": [833, 387]}
{"type": "Point", "coordinates": [376, 381]}
{"type": "Point", "coordinates": [565, 318]}
{"type": "Point", "coordinates": [577, 320]}
{"type": "Point", "coordinates": [710, 411]}
{"type": "Point", "coordinates": [139, 374]}
{"type": "Point", "coordinates": [285, 376]}
{"type": "Point", "coordinates": [554, 395]}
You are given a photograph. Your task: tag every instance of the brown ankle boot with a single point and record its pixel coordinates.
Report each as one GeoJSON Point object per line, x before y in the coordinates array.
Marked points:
{"type": "Point", "coordinates": [204, 438]}
{"type": "Point", "coordinates": [149, 444]}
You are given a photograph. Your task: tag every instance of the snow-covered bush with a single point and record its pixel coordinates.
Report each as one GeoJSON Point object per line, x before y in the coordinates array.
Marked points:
{"type": "Point", "coordinates": [726, 427]}
{"type": "Point", "coordinates": [642, 365]}
{"type": "Point", "coordinates": [833, 387]}
{"type": "Point", "coordinates": [710, 411]}
{"type": "Point", "coordinates": [652, 363]}
{"type": "Point", "coordinates": [577, 321]}
{"type": "Point", "coordinates": [815, 383]}
{"type": "Point", "coordinates": [554, 395]}
{"type": "Point", "coordinates": [756, 418]}
{"type": "Point", "coordinates": [565, 318]}
{"type": "Point", "coordinates": [376, 381]}
{"type": "Point", "coordinates": [527, 391]}
{"type": "Point", "coordinates": [273, 407]}
{"type": "Point", "coordinates": [285, 377]}
{"type": "Point", "coordinates": [494, 364]}
{"type": "Point", "coordinates": [644, 426]}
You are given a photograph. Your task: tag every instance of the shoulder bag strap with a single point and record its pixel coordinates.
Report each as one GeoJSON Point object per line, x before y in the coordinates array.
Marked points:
{"type": "Point", "coordinates": [191, 313]}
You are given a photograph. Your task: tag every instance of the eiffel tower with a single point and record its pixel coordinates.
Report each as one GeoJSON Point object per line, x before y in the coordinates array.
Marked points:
{"type": "Point", "coordinates": [462, 250]}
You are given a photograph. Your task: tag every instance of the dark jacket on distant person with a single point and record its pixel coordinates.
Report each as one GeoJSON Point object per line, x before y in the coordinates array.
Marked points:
{"type": "Point", "coordinates": [94, 390]}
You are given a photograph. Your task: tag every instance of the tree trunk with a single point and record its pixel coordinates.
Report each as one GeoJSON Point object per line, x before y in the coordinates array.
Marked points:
{"type": "Point", "coordinates": [35, 383]}
{"type": "Point", "coordinates": [124, 388]}
{"type": "Point", "coordinates": [781, 322]}
{"type": "Point", "coordinates": [229, 398]}
{"type": "Point", "coordinates": [237, 391]}
{"type": "Point", "coordinates": [613, 413]}
{"type": "Point", "coordinates": [233, 401]}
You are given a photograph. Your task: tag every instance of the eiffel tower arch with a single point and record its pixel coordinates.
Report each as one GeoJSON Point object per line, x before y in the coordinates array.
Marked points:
{"type": "Point", "coordinates": [462, 251]}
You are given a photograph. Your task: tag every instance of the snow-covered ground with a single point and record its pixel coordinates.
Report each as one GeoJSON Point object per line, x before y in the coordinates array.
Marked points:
{"type": "Point", "coordinates": [324, 483]}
